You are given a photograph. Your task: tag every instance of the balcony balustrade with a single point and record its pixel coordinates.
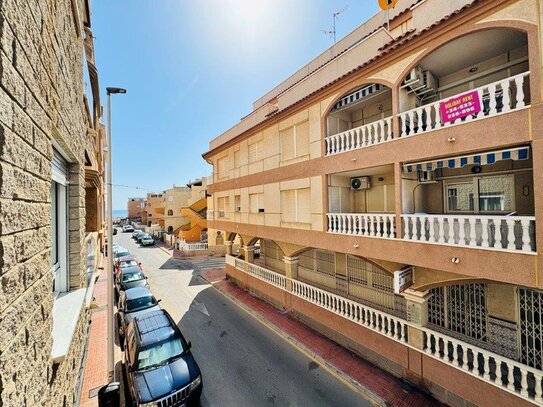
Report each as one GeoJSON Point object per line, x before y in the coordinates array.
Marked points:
{"type": "Point", "coordinates": [192, 246]}
{"type": "Point", "coordinates": [362, 224]}
{"type": "Point", "coordinates": [504, 373]}
{"type": "Point", "coordinates": [495, 98]}
{"type": "Point", "coordinates": [511, 233]}
{"type": "Point", "coordinates": [359, 137]}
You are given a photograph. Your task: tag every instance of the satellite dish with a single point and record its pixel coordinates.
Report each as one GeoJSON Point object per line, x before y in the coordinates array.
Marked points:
{"type": "Point", "coordinates": [387, 4]}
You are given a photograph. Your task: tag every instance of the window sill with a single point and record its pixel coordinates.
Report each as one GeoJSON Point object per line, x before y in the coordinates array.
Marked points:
{"type": "Point", "coordinates": [67, 308]}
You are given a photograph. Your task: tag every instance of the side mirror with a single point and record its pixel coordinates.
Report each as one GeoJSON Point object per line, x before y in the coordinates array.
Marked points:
{"type": "Point", "coordinates": [189, 345]}
{"type": "Point", "coordinates": [157, 301]}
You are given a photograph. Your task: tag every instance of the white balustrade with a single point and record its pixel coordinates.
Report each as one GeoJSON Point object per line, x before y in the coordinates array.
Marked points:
{"type": "Point", "coordinates": [230, 260]}
{"type": "Point", "coordinates": [359, 137]}
{"type": "Point", "coordinates": [496, 98]}
{"type": "Point", "coordinates": [363, 224]}
{"type": "Point", "coordinates": [192, 246]}
{"type": "Point", "coordinates": [370, 318]}
{"type": "Point", "coordinates": [271, 277]}
{"type": "Point", "coordinates": [513, 233]}
{"type": "Point", "coordinates": [510, 375]}
{"type": "Point", "coordinates": [507, 374]}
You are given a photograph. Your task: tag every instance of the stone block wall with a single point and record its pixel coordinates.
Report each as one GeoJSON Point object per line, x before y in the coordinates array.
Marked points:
{"type": "Point", "coordinates": [41, 102]}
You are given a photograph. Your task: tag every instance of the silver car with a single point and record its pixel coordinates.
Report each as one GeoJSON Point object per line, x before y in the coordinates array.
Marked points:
{"type": "Point", "coordinates": [132, 303]}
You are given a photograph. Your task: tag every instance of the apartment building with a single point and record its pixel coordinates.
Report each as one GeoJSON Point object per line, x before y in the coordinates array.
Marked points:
{"type": "Point", "coordinates": [134, 207]}
{"type": "Point", "coordinates": [51, 199]}
{"type": "Point", "coordinates": [389, 194]}
{"type": "Point", "coordinates": [153, 211]}
{"type": "Point", "coordinates": [177, 201]}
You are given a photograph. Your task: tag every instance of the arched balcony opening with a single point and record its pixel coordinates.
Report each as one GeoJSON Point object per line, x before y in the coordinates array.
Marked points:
{"type": "Point", "coordinates": [479, 75]}
{"type": "Point", "coordinates": [361, 118]}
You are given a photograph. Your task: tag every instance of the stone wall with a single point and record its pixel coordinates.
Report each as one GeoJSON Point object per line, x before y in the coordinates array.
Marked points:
{"type": "Point", "coordinates": [41, 100]}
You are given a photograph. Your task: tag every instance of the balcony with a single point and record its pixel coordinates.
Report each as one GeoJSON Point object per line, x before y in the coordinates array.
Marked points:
{"type": "Point", "coordinates": [362, 224]}
{"type": "Point", "coordinates": [496, 98]}
{"type": "Point", "coordinates": [511, 233]}
{"type": "Point", "coordinates": [360, 119]}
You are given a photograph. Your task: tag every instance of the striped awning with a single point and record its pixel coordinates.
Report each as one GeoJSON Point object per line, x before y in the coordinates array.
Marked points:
{"type": "Point", "coordinates": [358, 95]}
{"type": "Point", "coordinates": [517, 153]}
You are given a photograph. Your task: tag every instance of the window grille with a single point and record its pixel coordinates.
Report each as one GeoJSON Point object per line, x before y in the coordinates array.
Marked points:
{"type": "Point", "coordinates": [369, 284]}
{"type": "Point", "coordinates": [531, 328]}
{"type": "Point", "coordinates": [271, 256]}
{"type": "Point", "coordinates": [318, 267]}
{"type": "Point", "coordinates": [460, 309]}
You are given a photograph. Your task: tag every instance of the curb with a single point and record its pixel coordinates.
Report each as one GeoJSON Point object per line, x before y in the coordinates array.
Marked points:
{"type": "Point", "coordinates": [366, 393]}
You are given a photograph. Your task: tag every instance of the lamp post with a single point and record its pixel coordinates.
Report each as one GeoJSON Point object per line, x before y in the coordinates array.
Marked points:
{"type": "Point", "coordinates": [110, 323]}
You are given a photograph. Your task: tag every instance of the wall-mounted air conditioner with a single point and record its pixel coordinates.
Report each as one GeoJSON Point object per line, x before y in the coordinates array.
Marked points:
{"type": "Point", "coordinates": [360, 183]}
{"type": "Point", "coordinates": [429, 176]}
{"type": "Point", "coordinates": [237, 209]}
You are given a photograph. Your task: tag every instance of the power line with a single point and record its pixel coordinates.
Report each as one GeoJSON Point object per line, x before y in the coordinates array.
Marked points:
{"type": "Point", "coordinates": [131, 187]}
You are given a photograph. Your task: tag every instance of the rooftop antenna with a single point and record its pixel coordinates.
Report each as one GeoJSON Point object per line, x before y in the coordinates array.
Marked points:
{"type": "Point", "coordinates": [335, 17]}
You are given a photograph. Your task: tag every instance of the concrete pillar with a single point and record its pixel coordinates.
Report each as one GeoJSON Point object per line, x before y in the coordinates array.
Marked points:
{"type": "Point", "coordinates": [228, 245]}
{"type": "Point", "coordinates": [417, 313]}
{"type": "Point", "coordinates": [291, 270]}
{"type": "Point", "coordinates": [249, 254]}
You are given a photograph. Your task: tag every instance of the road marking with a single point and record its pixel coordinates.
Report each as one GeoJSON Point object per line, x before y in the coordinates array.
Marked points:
{"type": "Point", "coordinates": [200, 306]}
{"type": "Point", "coordinates": [350, 383]}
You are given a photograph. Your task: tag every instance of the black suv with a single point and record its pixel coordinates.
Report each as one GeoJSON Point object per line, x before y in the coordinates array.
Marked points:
{"type": "Point", "coordinates": [160, 368]}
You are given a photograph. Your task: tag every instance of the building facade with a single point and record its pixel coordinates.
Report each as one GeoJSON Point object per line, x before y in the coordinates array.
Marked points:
{"type": "Point", "coordinates": [153, 211]}
{"type": "Point", "coordinates": [134, 207]}
{"type": "Point", "coordinates": [51, 198]}
{"type": "Point", "coordinates": [389, 194]}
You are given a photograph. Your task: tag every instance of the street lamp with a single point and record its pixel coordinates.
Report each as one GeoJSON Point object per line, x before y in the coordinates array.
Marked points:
{"type": "Point", "coordinates": [110, 323]}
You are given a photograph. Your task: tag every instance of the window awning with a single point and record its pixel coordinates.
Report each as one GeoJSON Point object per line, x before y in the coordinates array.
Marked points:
{"type": "Point", "coordinates": [517, 153]}
{"type": "Point", "coordinates": [358, 95]}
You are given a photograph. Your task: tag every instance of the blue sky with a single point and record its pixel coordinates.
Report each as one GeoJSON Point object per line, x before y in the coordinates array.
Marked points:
{"type": "Point", "coordinates": [193, 69]}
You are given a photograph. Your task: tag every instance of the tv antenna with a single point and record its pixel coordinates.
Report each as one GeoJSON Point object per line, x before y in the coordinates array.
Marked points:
{"type": "Point", "coordinates": [335, 17]}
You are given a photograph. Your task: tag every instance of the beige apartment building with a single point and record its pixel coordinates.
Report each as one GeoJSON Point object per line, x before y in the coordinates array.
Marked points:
{"type": "Point", "coordinates": [153, 211]}
{"type": "Point", "coordinates": [134, 207]}
{"type": "Point", "coordinates": [390, 195]}
{"type": "Point", "coordinates": [51, 199]}
{"type": "Point", "coordinates": [178, 199]}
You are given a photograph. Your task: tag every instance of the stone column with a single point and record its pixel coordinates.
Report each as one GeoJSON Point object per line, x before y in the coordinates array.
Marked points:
{"type": "Point", "coordinates": [291, 270]}
{"type": "Point", "coordinates": [228, 245]}
{"type": "Point", "coordinates": [249, 254]}
{"type": "Point", "coordinates": [417, 313]}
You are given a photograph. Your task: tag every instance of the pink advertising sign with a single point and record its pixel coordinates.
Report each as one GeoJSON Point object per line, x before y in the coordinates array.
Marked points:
{"type": "Point", "coordinates": [460, 106]}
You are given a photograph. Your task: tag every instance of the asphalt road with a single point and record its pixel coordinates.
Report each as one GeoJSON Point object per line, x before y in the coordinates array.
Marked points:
{"type": "Point", "coordinates": [243, 362]}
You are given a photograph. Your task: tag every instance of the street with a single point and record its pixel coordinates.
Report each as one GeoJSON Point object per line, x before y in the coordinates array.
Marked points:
{"type": "Point", "coordinates": [243, 362]}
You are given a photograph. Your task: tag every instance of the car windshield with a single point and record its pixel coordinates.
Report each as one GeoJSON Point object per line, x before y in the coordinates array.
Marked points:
{"type": "Point", "coordinates": [122, 254]}
{"type": "Point", "coordinates": [128, 263]}
{"type": "Point", "coordinates": [147, 238]}
{"type": "Point", "coordinates": [138, 304]}
{"type": "Point", "coordinates": [128, 277]}
{"type": "Point", "coordinates": [159, 353]}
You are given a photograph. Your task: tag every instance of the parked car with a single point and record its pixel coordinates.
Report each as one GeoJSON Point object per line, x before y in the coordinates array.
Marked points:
{"type": "Point", "coordinates": [147, 241]}
{"type": "Point", "coordinates": [134, 302]}
{"type": "Point", "coordinates": [160, 368]}
{"type": "Point", "coordinates": [140, 235]}
{"type": "Point", "coordinates": [124, 262]}
{"type": "Point", "coordinates": [129, 277]}
{"type": "Point", "coordinates": [128, 228]}
{"type": "Point", "coordinates": [135, 233]}
{"type": "Point", "coordinates": [121, 252]}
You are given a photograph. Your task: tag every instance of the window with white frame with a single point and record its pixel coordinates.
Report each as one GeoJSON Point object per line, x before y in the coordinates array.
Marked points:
{"type": "Point", "coordinates": [487, 194]}
{"type": "Point", "coordinates": [256, 203]}
{"type": "Point", "coordinates": [295, 141]}
{"type": "Point", "coordinates": [296, 205]}
{"type": "Point", "coordinates": [223, 203]}
{"type": "Point", "coordinates": [59, 220]}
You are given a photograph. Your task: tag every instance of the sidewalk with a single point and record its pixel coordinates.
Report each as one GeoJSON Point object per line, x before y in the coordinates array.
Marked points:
{"type": "Point", "coordinates": [378, 386]}
{"type": "Point", "coordinates": [95, 369]}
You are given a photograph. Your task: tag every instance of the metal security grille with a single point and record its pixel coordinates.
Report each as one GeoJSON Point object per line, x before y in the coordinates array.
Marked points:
{"type": "Point", "coordinates": [369, 284]}
{"type": "Point", "coordinates": [271, 256]}
{"type": "Point", "coordinates": [531, 330]}
{"type": "Point", "coordinates": [318, 267]}
{"type": "Point", "coordinates": [460, 310]}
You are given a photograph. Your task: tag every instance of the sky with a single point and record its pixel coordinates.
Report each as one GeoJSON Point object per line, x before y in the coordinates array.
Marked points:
{"type": "Point", "coordinates": [192, 69]}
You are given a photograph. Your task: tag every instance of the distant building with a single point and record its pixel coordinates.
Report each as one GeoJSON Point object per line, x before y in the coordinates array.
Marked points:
{"type": "Point", "coordinates": [153, 211]}
{"type": "Point", "coordinates": [134, 207]}
{"type": "Point", "coordinates": [52, 200]}
{"type": "Point", "coordinates": [390, 195]}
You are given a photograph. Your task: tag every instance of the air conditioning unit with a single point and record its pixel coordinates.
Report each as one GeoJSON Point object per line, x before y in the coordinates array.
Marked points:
{"type": "Point", "coordinates": [360, 183]}
{"type": "Point", "coordinates": [426, 177]}
{"type": "Point", "coordinates": [413, 77]}
{"type": "Point", "coordinates": [237, 209]}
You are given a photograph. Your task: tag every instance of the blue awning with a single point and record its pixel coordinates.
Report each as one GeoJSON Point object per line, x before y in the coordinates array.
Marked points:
{"type": "Point", "coordinates": [517, 153]}
{"type": "Point", "coordinates": [358, 95]}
